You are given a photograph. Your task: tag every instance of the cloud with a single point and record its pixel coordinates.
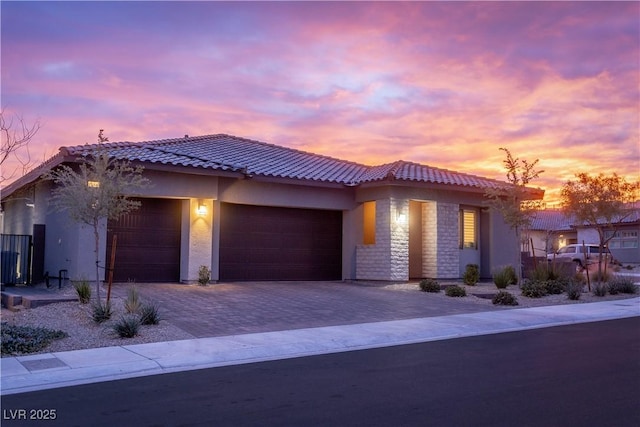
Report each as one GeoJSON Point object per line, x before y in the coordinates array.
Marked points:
{"type": "Point", "coordinates": [442, 83]}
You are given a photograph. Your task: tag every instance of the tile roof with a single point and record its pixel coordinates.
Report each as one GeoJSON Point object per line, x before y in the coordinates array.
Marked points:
{"type": "Point", "coordinates": [556, 220]}
{"type": "Point", "coordinates": [551, 220]}
{"type": "Point", "coordinates": [230, 153]}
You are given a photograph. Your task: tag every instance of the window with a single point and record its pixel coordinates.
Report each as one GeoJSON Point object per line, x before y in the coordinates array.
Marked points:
{"type": "Point", "coordinates": [626, 239]}
{"type": "Point", "coordinates": [369, 221]}
{"type": "Point", "coordinates": [468, 229]}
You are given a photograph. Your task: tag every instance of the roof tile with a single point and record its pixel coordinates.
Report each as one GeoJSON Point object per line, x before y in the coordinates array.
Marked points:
{"type": "Point", "coordinates": [230, 153]}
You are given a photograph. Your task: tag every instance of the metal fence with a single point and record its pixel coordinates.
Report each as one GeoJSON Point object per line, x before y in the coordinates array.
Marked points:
{"type": "Point", "coordinates": [15, 259]}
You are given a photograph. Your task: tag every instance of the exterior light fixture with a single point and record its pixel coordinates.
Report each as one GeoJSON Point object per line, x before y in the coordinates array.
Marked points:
{"type": "Point", "coordinates": [202, 209]}
{"type": "Point", "coordinates": [93, 184]}
{"type": "Point", "coordinates": [30, 205]}
{"type": "Point", "coordinates": [401, 218]}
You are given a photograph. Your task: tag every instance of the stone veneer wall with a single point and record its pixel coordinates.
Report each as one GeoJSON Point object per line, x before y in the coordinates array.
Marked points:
{"type": "Point", "coordinates": [448, 240]}
{"type": "Point", "coordinates": [388, 258]}
{"type": "Point", "coordinates": [429, 239]}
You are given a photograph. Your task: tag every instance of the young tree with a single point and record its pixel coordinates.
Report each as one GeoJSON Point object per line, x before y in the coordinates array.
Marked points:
{"type": "Point", "coordinates": [512, 200]}
{"type": "Point", "coordinates": [16, 135]}
{"type": "Point", "coordinates": [601, 202]}
{"type": "Point", "coordinates": [96, 191]}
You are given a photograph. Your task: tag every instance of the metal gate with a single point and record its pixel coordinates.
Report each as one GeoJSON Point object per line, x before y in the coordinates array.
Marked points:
{"type": "Point", "coordinates": [15, 259]}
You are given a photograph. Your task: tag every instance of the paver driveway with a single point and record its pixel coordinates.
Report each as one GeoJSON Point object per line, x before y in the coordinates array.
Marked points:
{"type": "Point", "coordinates": [238, 308]}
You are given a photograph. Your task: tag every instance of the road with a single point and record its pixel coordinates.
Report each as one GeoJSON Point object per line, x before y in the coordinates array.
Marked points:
{"type": "Point", "coordinates": [579, 375]}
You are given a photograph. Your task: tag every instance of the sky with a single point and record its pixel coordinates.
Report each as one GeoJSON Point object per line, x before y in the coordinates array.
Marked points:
{"type": "Point", "coordinates": [444, 84]}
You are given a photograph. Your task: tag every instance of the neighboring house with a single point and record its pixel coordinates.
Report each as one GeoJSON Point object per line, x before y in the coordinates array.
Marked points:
{"type": "Point", "coordinates": [551, 230]}
{"type": "Point", "coordinates": [255, 211]}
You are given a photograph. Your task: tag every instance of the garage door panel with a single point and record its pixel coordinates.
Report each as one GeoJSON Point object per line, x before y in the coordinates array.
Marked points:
{"type": "Point", "coordinates": [148, 247]}
{"type": "Point", "coordinates": [268, 243]}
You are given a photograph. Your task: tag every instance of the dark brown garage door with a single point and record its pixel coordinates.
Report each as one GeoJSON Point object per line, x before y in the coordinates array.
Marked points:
{"type": "Point", "coordinates": [267, 243]}
{"type": "Point", "coordinates": [148, 247]}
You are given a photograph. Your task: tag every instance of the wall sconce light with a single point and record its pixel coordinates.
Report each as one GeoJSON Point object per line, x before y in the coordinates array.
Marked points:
{"type": "Point", "coordinates": [30, 205]}
{"type": "Point", "coordinates": [401, 218]}
{"type": "Point", "coordinates": [202, 208]}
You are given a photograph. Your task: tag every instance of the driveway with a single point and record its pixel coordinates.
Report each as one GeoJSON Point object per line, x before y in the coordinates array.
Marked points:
{"type": "Point", "coordinates": [238, 308]}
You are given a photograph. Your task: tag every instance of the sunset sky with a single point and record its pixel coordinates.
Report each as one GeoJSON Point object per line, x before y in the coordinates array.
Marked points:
{"type": "Point", "coordinates": [443, 84]}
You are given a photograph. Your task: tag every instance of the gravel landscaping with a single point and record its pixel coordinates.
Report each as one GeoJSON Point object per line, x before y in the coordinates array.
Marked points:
{"type": "Point", "coordinates": [75, 318]}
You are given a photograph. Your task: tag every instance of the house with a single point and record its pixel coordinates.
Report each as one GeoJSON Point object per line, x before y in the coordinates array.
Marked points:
{"type": "Point", "coordinates": [551, 229]}
{"type": "Point", "coordinates": [252, 211]}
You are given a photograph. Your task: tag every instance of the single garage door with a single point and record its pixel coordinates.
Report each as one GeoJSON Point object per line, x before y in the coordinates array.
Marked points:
{"type": "Point", "coordinates": [148, 246]}
{"type": "Point", "coordinates": [269, 243]}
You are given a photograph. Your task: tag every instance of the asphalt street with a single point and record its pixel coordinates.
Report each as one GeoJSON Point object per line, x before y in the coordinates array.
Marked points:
{"type": "Point", "coordinates": [585, 374]}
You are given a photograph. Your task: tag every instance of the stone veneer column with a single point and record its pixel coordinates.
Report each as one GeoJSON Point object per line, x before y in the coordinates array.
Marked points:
{"type": "Point", "coordinates": [429, 240]}
{"type": "Point", "coordinates": [399, 226]}
{"type": "Point", "coordinates": [197, 243]}
{"type": "Point", "coordinates": [448, 243]}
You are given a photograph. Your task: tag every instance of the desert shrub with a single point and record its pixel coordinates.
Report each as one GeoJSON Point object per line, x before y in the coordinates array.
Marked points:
{"type": "Point", "coordinates": [574, 290]}
{"type": "Point", "coordinates": [534, 289]}
{"type": "Point", "coordinates": [504, 277]}
{"type": "Point", "coordinates": [600, 289]}
{"type": "Point", "coordinates": [601, 276]}
{"type": "Point", "coordinates": [204, 275]}
{"type": "Point", "coordinates": [27, 339]}
{"type": "Point", "coordinates": [623, 285]}
{"type": "Point", "coordinates": [471, 274]}
{"type": "Point", "coordinates": [455, 291]}
{"type": "Point", "coordinates": [429, 285]}
{"type": "Point", "coordinates": [127, 326]}
{"type": "Point", "coordinates": [556, 286]}
{"type": "Point", "coordinates": [504, 298]}
{"type": "Point", "coordinates": [132, 303]}
{"type": "Point", "coordinates": [101, 312]}
{"type": "Point", "coordinates": [83, 290]}
{"type": "Point", "coordinates": [149, 314]}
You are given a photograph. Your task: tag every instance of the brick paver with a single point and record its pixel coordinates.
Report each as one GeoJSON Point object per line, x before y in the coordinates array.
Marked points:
{"type": "Point", "coordinates": [238, 308]}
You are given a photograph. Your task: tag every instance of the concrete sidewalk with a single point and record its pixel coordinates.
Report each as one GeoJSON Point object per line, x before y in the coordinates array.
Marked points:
{"type": "Point", "coordinates": [51, 370]}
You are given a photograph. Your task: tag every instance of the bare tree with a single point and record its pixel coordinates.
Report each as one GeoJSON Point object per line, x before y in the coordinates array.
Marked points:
{"type": "Point", "coordinates": [97, 190]}
{"type": "Point", "coordinates": [601, 202]}
{"type": "Point", "coordinates": [512, 200]}
{"type": "Point", "coordinates": [16, 135]}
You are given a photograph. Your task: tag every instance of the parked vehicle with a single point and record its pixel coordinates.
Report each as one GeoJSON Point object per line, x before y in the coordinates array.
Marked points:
{"type": "Point", "coordinates": [576, 253]}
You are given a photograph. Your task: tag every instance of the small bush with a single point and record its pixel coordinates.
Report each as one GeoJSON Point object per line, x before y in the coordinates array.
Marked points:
{"type": "Point", "coordinates": [132, 303]}
{"type": "Point", "coordinates": [471, 274]}
{"type": "Point", "coordinates": [149, 314]}
{"type": "Point", "coordinates": [600, 289]}
{"type": "Point", "coordinates": [504, 277]}
{"type": "Point", "coordinates": [455, 291]}
{"type": "Point", "coordinates": [101, 312]}
{"type": "Point", "coordinates": [556, 286]}
{"type": "Point", "coordinates": [204, 275]}
{"type": "Point", "coordinates": [574, 290]}
{"type": "Point", "coordinates": [83, 290]}
{"type": "Point", "coordinates": [601, 277]}
{"type": "Point", "coordinates": [534, 289]}
{"type": "Point", "coordinates": [27, 339]}
{"type": "Point", "coordinates": [623, 285]}
{"type": "Point", "coordinates": [127, 326]}
{"type": "Point", "coordinates": [504, 298]}
{"type": "Point", "coordinates": [429, 285]}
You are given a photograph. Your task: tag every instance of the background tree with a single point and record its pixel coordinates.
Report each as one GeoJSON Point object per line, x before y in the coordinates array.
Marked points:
{"type": "Point", "coordinates": [96, 191]}
{"type": "Point", "coordinates": [601, 202]}
{"type": "Point", "coordinates": [16, 135]}
{"type": "Point", "coordinates": [511, 200]}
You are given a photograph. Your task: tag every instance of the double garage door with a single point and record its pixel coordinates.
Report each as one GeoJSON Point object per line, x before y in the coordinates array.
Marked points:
{"type": "Point", "coordinates": [256, 243]}
{"type": "Point", "coordinates": [268, 243]}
